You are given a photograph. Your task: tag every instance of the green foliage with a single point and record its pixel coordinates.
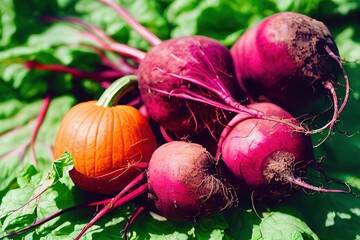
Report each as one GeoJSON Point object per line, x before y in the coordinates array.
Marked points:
{"type": "Point", "coordinates": [29, 192]}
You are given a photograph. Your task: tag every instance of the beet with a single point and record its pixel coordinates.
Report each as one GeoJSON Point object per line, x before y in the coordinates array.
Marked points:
{"type": "Point", "coordinates": [184, 183]}
{"type": "Point", "coordinates": [291, 59]}
{"type": "Point", "coordinates": [167, 66]}
{"type": "Point", "coordinates": [265, 157]}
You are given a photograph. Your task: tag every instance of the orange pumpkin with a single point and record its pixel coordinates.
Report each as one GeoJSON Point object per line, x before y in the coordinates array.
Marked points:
{"type": "Point", "coordinates": [106, 141]}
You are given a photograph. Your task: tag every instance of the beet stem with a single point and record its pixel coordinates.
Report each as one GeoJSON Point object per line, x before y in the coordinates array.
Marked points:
{"type": "Point", "coordinates": [44, 220]}
{"type": "Point", "coordinates": [337, 110]}
{"type": "Point", "coordinates": [305, 185]}
{"type": "Point", "coordinates": [112, 205]}
{"type": "Point", "coordinates": [145, 33]}
{"type": "Point", "coordinates": [230, 103]}
{"type": "Point", "coordinates": [133, 183]}
{"type": "Point", "coordinates": [328, 85]}
{"type": "Point", "coordinates": [165, 135]}
{"type": "Point", "coordinates": [139, 210]}
{"type": "Point", "coordinates": [104, 40]}
{"type": "Point", "coordinates": [226, 131]}
{"type": "Point", "coordinates": [100, 77]}
{"type": "Point", "coordinates": [39, 121]}
{"type": "Point", "coordinates": [117, 63]}
{"type": "Point", "coordinates": [195, 97]}
{"type": "Point", "coordinates": [56, 214]}
{"type": "Point", "coordinates": [347, 85]}
{"type": "Point", "coordinates": [216, 80]}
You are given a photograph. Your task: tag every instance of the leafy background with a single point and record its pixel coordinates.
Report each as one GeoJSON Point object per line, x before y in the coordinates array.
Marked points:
{"type": "Point", "coordinates": [24, 35]}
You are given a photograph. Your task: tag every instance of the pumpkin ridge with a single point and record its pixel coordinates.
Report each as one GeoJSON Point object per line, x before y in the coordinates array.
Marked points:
{"type": "Point", "coordinates": [139, 133]}
{"type": "Point", "coordinates": [98, 142]}
{"type": "Point", "coordinates": [122, 138]}
{"type": "Point", "coordinates": [85, 146]}
{"type": "Point", "coordinates": [71, 136]}
{"type": "Point", "coordinates": [135, 124]}
{"type": "Point", "coordinates": [84, 151]}
{"type": "Point", "coordinates": [63, 131]}
{"type": "Point", "coordinates": [112, 135]}
{"type": "Point", "coordinates": [108, 140]}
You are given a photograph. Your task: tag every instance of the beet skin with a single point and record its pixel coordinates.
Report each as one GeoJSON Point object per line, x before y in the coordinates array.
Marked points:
{"type": "Point", "coordinates": [183, 182]}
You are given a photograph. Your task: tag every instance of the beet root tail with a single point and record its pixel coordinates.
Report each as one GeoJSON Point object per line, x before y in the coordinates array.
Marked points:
{"type": "Point", "coordinates": [301, 183]}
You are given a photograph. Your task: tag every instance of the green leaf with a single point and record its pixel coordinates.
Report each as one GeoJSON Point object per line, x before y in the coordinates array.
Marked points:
{"type": "Point", "coordinates": [305, 7]}
{"type": "Point", "coordinates": [277, 225]}
{"type": "Point", "coordinates": [338, 7]}
{"type": "Point", "coordinates": [281, 223]}
{"type": "Point", "coordinates": [17, 113]}
{"type": "Point", "coordinates": [49, 38]}
{"type": "Point", "coordinates": [147, 12]}
{"type": "Point", "coordinates": [14, 211]}
{"type": "Point", "coordinates": [17, 127]}
{"type": "Point", "coordinates": [24, 36]}
{"type": "Point", "coordinates": [225, 20]}
{"type": "Point", "coordinates": [36, 195]}
{"type": "Point", "coordinates": [7, 24]}
{"type": "Point", "coordinates": [339, 214]}
{"type": "Point", "coordinates": [349, 42]}
{"type": "Point", "coordinates": [8, 109]}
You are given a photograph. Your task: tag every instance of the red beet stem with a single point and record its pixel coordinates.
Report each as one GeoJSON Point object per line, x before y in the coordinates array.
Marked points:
{"type": "Point", "coordinates": [119, 200]}
{"type": "Point", "coordinates": [112, 205]}
{"type": "Point", "coordinates": [299, 182]}
{"type": "Point", "coordinates": [104, 40]}
{"type": "Point", "coordinates": [56, 214]}
{"type": "Point", "coordinates": [133, 183]}
{"type": "Point", "coordinates": [101, 77]}
{"type": "Point", "coordinates": [346, 78]}
{"type": "Point", "coordinates": [330, 87]}
{"type": "Point", "coordinates": [115, 62]}
{"type": "Point", "coordinates": [165, 134]}
{"type": "Point", "coordinates": [42, 221]}
{"type": "Point", "coordinates": [226, 131]}
{"type": "Point", "coordinates": [145, 33]}
{"type": "Point", "coordinates": [229, 103]}
{"type": "Point", "coordinates": [213, 84]}
{"type": "Point", "coordinates": [39, 121]}
{"type": "Point", "coordinates": [138, 210]}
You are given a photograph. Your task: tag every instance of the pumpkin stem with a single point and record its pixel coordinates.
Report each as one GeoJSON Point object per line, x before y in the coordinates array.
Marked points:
{"type": "Point", "coordinates": [116, 90]}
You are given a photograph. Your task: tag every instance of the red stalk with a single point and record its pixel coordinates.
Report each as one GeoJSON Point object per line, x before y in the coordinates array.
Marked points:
{"type": "Point", "coordinates": [305, 185]}
{"type": "Point", "coordinates": [103, 39]}
{"type": "Point", "coordinates": [145, 33]}
{"type": "Point", "coordinates": [56, 214]}
{"type": "Point", "coordinates": [138, 210]}
{"type": "Point", "coordinates": [40, 119]}
{"type": "Point", "coordinates": [104, 77]}
{"type": "Point", "coordinates": [109, 203]}
{"type": "Point", "coordinates": [118, 63]}
{"type": "Point", "coordinates": [347, 85]}
{"type": "Point", "coordinates": [120, 201]}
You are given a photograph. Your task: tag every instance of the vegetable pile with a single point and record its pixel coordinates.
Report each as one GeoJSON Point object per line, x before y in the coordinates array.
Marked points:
{"type": "Point", "coordinates": [199, 130]}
